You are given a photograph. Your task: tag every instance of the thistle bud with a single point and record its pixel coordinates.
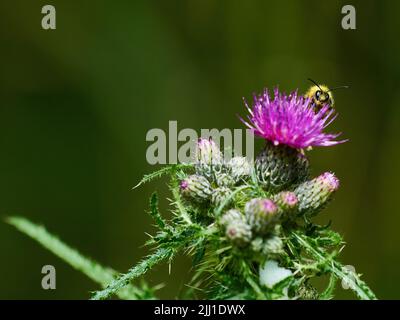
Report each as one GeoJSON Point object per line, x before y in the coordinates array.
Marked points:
{"type": "Point", "coordinates": [257, 244]}
{"type": "Point", "coordinates": [313, 195]}
{"type": "Point", "coordinates": [278, 167]}
{"type": "Point", "coordinates": [273, 246]}
{"type": "Point", "coordinates": [208, 157]}
{"type": "Point", "coordinates": [224, 180]}
{"type": "Point", "coordinates": [238, 232]}
{"type": "Point", "coordinates": [286, 201]}
{"type": "Point", "coordinates": [229, 216]}
{"type": "Point", "coordinates": [220, 195]}
{"type": "Point", "coordinates": [261, 214]}
{"type": "Point", "coordinates": [239, 168]}
{"type": "Point", "coordinates": [196, 187]}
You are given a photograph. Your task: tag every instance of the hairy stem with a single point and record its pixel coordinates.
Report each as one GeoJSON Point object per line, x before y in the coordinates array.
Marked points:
{"type": "Point", "coordinates": [140, 269]}
{"type": "Point", "coordinates": [350, 277]}
{"type": "Point", "coordinates": [167, 170]}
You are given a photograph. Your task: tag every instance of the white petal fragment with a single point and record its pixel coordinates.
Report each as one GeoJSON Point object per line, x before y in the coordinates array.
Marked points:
{"type": "Point", "coordinates": [271, 274]}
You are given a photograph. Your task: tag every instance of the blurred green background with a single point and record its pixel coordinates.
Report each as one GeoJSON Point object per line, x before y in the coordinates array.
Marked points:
{"type": "Point", "coordinates": [76, 103]}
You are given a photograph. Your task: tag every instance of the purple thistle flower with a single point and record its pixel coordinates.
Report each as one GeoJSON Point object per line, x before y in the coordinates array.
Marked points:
{"type": "Point", "coordinates": [184, 185]}
{"type": "Point", "coordinates": [287, 202]}
{"type": "Point", "coordinates": [329, 181]}
{"type": "Point", "coordinates": [289, 199]}
{"type": "Point", "coordinates": [290, 120]}
{"type": "Point", "coordinates": [269, 206]}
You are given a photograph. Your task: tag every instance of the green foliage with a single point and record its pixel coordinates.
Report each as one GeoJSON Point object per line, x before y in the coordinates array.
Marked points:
{"type": "Point", "coordinates": [328, 264]}
{"type": "Point", "coordinates": [137, 271]}
{"type": "Point", "coordinates": [154, 211]}
{"type": "Point", "coordinates": [159, 173]}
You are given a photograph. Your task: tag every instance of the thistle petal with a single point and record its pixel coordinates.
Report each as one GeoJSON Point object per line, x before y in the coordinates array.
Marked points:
{"type": "Point", "coordinates": [290, 120]}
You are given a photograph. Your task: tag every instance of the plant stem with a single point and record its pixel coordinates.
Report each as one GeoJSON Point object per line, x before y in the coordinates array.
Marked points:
{"type": "Point", "coordinates": [350, 277]}
{"type": "Point", "coordinates": [163, 171]}
{"type": "Point", "coordinates": [138, 270]}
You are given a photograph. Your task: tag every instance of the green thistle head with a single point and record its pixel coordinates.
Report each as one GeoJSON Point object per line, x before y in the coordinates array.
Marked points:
{"type": "Point", "coordinates": [239, 168]}
{"type": "Point", "coordinates": [313, 195]}
{"type": "Point", "coordinates": [238, 232]}
{"type": "Point", "coordinates": [261, 214]}
{"type": "Point", "coordinates": [208, 158]}
{"type": "Point", "coordinates": [196, 187]}
{"type": "Point", "coordinates": [278, 167]}
{"type": "Point", "coordinates": [229, 216]}
{"type": "Point", "coordinates": [220, 195]}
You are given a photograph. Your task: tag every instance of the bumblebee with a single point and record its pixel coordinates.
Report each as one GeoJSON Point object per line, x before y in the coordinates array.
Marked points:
{"type": "Point", "coordinates": [321, 95]}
